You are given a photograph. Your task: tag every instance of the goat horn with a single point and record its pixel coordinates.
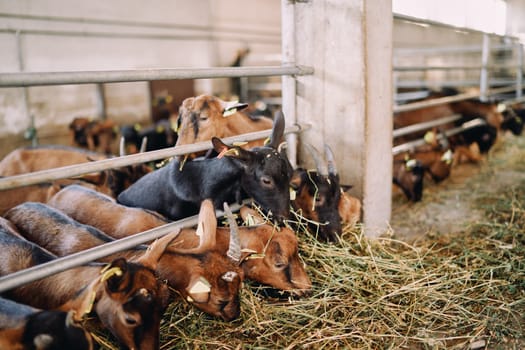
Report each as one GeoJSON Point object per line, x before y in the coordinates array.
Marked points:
{"type": "Point", "coordinates": [330, 160]}
{"type": "Point", "coordinates": [234, 250]}
{"type": "Point", "coordinates": [144, 144]}
{"type": "Point", "coordinates": [320, 163]}
{"type": "Point", "coordinates": [122, 146]}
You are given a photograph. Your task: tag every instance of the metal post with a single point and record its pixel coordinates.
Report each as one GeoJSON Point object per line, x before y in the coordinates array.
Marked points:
{"type": "Point", "coordinates": [519, 71]}
{"type": "Point", "coordinates": [30, 132]}
{"type": "Point", "coordinates": [483, 79]}
{"type": "Point", "coordinates": [288, 82]}
{"type": "Point", "coordinates": [101, 101]}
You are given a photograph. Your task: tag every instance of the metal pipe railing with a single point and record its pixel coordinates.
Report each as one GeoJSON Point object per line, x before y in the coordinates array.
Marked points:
{"type": "Point", "coordinates": [447, 99]}
{"type": "Point", "coordinates": [419, 142]}
{"type": "Point", "coordinates": [424, 126]}
{"type": "Point", "coordinates": [92, 77]}
{"type": "Point", "coordinates": [472, 67]}
{"type": "Point", "coordinates": [105, 164]}
{"type": "Point", "coordinates": [34, 273]}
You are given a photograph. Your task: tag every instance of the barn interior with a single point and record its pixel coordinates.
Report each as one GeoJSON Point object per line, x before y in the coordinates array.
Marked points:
{"type": "Point", "coordinates": [443, 271]}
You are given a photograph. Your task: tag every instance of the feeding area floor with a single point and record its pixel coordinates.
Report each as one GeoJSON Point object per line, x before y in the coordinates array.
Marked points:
{"type": "Point", "coordinates": [450, 275]}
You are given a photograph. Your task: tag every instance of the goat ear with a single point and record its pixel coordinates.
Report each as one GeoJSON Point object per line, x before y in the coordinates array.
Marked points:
{"type": "Point", "coordinates": [228, 151]}
{"type": "Point", "coordinates": [230, 107]}
{"type": "Point", "coordinates": [114, 274]}
{"type": "Point", "coordinates": [156, 249]}
{"type": "Point", "coordinates": [250, 216]}
{"type": "Point", "coordinates": [277, 130]}
{"type": "Point", "coordinates": [297, 179]}
{"type": "Point", "coordinates": [206, 230]}
{"type": "Point", "coordinates": [198, 289]}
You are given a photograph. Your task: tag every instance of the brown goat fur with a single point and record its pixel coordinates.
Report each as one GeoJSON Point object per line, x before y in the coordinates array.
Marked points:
{"type": "Point", "coordinates": [119, 221]}
{"type": "Point", "coordinates": [31, 159]}
{"type": "Point", "coordinates": [25, 328]}
{"type": "Point", "coordinates": [181, 268]}
{"type": "Point", "coordinates": [205, 116]}
{"type": "Point", "coordinates": [129, 299]}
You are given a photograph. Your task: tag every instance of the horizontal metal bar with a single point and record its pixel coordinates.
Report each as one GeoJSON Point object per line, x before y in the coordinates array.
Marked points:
{"type": "Point", "coordinates": [411, 95]}
{"type": "Point", "coordinates": [450, 49]}
{"type": "Point", "coordinates": [140, 24]}
{"type": "Point", "coordinates": [416, 20]}
{"type": "Point", "coordinates": [471, 67]}
{"type": "Point", "coordinates": [419, 142]}
{"type": "Point", "coordinates": [426, 83]}
{"type": "Point", "coordinates": [444, 100]}
{"type": "Point", "coordinates": [100, 165]}
{"type": "Point", "coordinates": [152, 36]}
{"type": "Point", "coordinates": [37, 272]}
{"type": "Point", "coordinates": [91, 77]}
{"type": "Point", "coordinates": [424, 126]}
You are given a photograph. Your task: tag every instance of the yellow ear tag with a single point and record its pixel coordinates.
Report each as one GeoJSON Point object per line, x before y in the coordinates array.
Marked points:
{"type": "Point", "coordinates": [430, 137]}
{"type": "Point", "coordinates": [137, 127]}
{"type": "Point", "coordinates": [227, 152]}
{"type": "Point", "coordinates": [169, 98]}
{"type": "Point", "coordinates": [173, 125]}
{"type": "Point", "coordinates": [160, 129]}
{"type": "Point", "coordinates": [266, 141]}
{"type": "Point", "coordinates": [410, 164]}
{"type": "Point", "coordinates": [229, 112]}
{"type": "Point", "coordinates": [292, 194]}
{"type": "Point", "coordinates": [447, 157]}
{"type": "Point", "coordinates": [201, 286]}
{"type": "Point", "coordinates": [240, 143]}
{"type": "Point", "coordinates": [90, 305]}
{"type": "Point", "coordinates": [107, 274]}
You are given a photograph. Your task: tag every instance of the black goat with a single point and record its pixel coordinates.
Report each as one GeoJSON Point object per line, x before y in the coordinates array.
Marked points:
{"type": "Point", "coordinates": [177, 190]}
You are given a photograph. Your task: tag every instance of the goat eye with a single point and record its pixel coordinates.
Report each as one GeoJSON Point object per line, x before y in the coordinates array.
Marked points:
{"type": "Point", "coordinates": [280, 265]}
{"type": "Point", "coordinates": [203, 118]}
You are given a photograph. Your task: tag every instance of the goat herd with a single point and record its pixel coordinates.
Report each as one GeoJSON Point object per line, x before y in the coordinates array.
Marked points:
{"type": "Point", "coordinates": [127, 292]}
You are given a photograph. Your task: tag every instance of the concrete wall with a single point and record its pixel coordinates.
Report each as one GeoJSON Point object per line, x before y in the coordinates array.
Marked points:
{"type": "Point", "coordinates": [62, 35]}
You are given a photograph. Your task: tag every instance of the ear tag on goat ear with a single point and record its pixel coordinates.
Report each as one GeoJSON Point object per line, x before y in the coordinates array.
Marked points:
{"type": "Point", "coordinates": [159, 129]}
{"type": "Point", "coordinates": [201, 286]}
{"type": "Point", "coordinates": [502, 107]}
{"type": "Point", "coordinates": [240, 143]}
{"type": "Point", "coordinates": [228, 112]}
{"type": "Point", "coordinates": [293, 194]}
{"type": "Point", "coordinates": [266, 141]}
{"type": "Point", "coordinates": [137, 127]}
{"type": "Point", "coordinates": [410, 164]}
{"type": "Point", "coordinates": [228, 151]}
{"type": "Point", "coordinates": [108, 273]}
{"type": "Point", "coordinates": [447, 157]}
{"type": "Point", "coordinates": [430, 137]}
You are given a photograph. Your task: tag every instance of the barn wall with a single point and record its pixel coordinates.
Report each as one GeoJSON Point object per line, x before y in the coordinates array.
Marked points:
{"type": "Point", "coordinates": [97, 35]}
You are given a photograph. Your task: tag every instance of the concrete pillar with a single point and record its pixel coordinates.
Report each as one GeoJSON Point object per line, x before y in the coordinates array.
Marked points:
{"type": "Point", "coordinates": [348, 100]}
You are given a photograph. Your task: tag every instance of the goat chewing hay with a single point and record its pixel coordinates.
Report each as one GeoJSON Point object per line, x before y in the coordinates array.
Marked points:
{"type": "Point", "coordinates": [463, 290]}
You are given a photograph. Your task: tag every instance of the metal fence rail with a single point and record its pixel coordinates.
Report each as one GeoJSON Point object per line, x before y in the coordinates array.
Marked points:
{"type": "Point", "coordinates": [34, 273]}
{"type": "Point", "coordinates": [100, 165]}
{"type": "Point", "coordinates": [92, 77]}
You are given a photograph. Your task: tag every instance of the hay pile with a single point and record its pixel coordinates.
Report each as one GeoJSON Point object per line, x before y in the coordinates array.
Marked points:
{"type": "Point", "coordinates": [456, 291]}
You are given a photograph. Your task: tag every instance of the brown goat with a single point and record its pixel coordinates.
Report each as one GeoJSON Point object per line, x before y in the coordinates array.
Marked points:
{"type": "Point", "coordinates": [25, 328]}
{"type": "Point", "coordinates": [128, 298]}
{"type": "Point", "coordinates": [205, 116]}
{"type": "Point", "coordinates": [186, 270]}
{"type": "Point", "coordinates": [120, 221]}
{"type": "Point", "coordinates": [93, 134]}
{"type": "Point", "coordinates": [31, 159]}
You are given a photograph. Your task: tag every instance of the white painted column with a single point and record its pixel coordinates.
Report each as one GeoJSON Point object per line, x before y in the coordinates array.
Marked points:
{"type": "Point", "coordinates": [348, 100]}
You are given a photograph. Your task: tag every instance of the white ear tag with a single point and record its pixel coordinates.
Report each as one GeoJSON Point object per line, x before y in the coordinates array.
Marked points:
{"type": "Point", "coordinates": [292, 194]}
{"type": "Point", "coordinates": [502, 107]}
{"type": "Point", "coordinates": [229, 112]}
{"type": "Point", "coordinates": [410, 164]}
{"type": "Point", "coordinates": [201, 286]}
{"type": "Point", "coordinates": [229, 276]}
{"type": "Point", "coordinates": [447, 157]}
